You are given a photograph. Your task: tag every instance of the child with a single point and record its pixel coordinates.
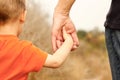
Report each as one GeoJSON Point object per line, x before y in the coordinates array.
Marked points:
{"type": "Point", "coordinates": [18, 57]}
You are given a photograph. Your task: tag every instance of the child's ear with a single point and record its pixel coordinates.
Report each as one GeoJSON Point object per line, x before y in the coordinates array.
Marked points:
{"type": "Point", "coordinates": [23, 16]}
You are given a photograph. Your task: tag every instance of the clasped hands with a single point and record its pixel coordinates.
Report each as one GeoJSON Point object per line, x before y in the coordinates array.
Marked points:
{"type": "Point", "coordinates": [60, 21]}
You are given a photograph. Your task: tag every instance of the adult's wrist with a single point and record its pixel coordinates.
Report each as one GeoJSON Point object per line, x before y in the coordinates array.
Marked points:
{"type": "Point", "coordinates": [61, 12]}
{"type": "Point", "coordinates": [64, 6]}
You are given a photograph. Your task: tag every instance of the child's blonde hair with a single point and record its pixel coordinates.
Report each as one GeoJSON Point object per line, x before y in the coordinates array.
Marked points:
{"type": "Point", "coordinates": [10, 9]}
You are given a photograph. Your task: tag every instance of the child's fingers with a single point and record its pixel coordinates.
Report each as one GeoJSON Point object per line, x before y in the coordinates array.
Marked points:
{"type": "Point", "coordinates": [64, 31]}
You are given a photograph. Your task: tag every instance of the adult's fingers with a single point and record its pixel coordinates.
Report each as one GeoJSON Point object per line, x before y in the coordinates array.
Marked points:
{"type": "Point", "coordinates": [60, 35]}
{"type": "Point", "coordinates": [54, 42]}
{"type": "Point", "coordinates": [59, 39]}
{"type": "Point", "coordinates": [75, 40]}
{"type": "Point", "coordinates": [59, 43]}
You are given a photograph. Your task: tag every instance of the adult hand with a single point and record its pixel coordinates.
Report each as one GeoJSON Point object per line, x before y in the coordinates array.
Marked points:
{"type": "Point", "coordinates": [60, 21]}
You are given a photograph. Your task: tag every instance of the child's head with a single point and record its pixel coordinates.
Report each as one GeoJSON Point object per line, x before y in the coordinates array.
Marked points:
{"type": "Point", "coordinates": [10, 10]}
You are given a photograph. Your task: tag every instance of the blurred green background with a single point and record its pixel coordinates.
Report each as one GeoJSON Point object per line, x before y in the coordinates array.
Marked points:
{"type": "Point", "coordinates": [88, 62]}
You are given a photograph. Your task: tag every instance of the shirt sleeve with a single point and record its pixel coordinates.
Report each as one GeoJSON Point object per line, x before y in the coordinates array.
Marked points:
{"type": "Point", "coordinates": [33, 58]}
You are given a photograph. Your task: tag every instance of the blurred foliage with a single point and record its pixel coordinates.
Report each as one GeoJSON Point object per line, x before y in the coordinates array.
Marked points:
{"type": "Point", "coordinates": [88, 62]}
{"type": "Point", "coordinates": [81, 34]}
{"type": "Point", "coordinates": [36, 28]}
{"type": "Point", "coordinates": [95, 37]}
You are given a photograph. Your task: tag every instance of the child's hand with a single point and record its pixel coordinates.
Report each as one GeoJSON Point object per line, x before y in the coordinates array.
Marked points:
{"type": "Point", "coordinates": [66, 35]}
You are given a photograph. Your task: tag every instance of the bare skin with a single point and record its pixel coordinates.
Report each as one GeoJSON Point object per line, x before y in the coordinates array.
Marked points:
{"type": "Point", "coordinates": [62, 19]}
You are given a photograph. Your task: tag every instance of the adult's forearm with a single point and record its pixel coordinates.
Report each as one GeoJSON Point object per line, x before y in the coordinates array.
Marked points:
{"type": "Point", "coordinates": [64, 6]}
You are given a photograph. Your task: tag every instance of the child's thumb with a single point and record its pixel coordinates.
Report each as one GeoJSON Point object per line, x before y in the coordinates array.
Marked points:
{"type": "Point", "coordinates": [64, 33]}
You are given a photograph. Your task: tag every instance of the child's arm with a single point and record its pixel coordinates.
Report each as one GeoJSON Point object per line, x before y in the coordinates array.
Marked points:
{"type": "Point", "coordinates": [60, 55]}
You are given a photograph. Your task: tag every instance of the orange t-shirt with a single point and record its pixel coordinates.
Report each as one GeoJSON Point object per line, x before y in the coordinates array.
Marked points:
{"type": "Point", "coordinates": [18, 58]}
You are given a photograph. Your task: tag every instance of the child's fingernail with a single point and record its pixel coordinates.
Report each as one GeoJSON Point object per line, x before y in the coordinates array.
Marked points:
{"type": "Point", "coordinates": [75, 46]}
